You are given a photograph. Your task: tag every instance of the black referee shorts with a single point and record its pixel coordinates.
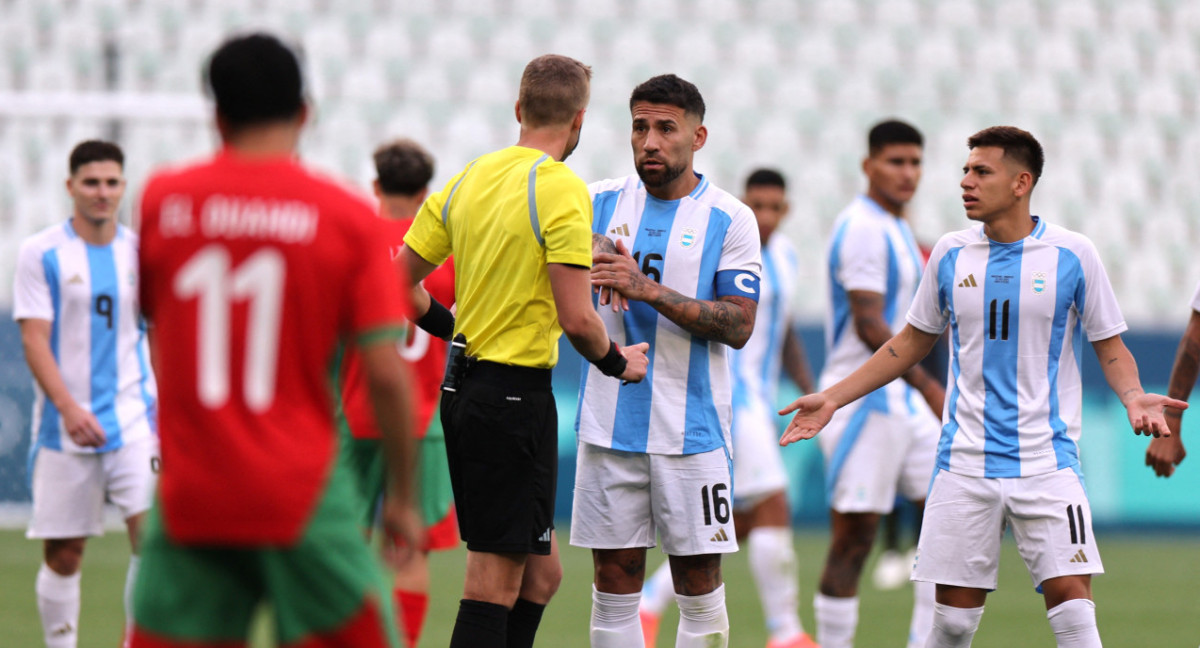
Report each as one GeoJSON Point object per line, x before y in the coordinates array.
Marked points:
{"type": "Point", "coordinates": [502, 445]}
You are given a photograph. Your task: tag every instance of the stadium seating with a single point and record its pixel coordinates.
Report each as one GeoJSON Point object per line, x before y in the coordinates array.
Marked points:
{"type": "Point", "coordinates": [1112, 88]}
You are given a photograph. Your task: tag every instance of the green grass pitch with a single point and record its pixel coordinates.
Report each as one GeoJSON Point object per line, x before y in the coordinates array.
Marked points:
{"type": "Point", "coordinates": [1147, 598]}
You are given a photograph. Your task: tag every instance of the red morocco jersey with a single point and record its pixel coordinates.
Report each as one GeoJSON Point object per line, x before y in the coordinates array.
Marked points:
{"type": "Point", "coordinates": [425, 353]}
{"type": "Point", "coordinates": [252, 271]}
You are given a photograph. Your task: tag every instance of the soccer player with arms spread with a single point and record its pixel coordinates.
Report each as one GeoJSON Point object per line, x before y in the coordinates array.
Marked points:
{"type": "Point", "coordinates": [1019, 294]}
{"type": "Point", "coordinates": [75, 298]}
{"type": "Point", "coordinates": [403, 170]}
{"type": "Point", "coordinates": [254, 269]}
{"type": "Point", "coordinates": [516, 221]}
{"type": "Point", "coordinates": [654, 458]}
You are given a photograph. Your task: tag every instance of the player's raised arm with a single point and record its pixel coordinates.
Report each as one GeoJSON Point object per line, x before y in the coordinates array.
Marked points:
{"type": "Point", "coordinates": [1120, 370]}
{"type": "Point", "coordinates": [728, 319]}
{"type": "Point", "coordinates": [1166, 452]}
{"type": "Point", "coordinates": [895, 357]}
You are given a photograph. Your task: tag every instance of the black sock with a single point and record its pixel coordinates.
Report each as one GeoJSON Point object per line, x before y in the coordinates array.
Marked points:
{"type": "Point", "coordinates": [523, 622]}
{"type": "Point", "coordinates": [479, 625]}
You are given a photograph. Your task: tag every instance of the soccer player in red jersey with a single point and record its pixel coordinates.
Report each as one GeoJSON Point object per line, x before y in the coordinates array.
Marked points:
{"type": "Point", "coordinates": [253, 269]}
{"type": "Point", "coordinates": [403, 171]}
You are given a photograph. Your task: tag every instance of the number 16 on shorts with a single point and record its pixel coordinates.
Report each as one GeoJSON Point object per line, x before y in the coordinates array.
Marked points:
{"type": "Point", "coordinates": [715, 502]}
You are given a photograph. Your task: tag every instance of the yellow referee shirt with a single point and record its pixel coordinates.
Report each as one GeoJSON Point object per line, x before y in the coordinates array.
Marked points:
{"type": "Point", "coordinates": [504, 217]}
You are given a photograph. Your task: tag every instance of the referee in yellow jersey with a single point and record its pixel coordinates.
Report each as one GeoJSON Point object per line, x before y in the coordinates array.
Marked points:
{"type": "Point", "coordinates": [518, 222]}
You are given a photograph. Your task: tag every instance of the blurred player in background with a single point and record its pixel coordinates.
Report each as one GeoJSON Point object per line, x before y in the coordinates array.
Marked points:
{"type": "Point", "coordinates": [760, 507]}
{"type": "Point", "coordinates": [254, 270]}
{"type": "Point", "coordinates": [516, 221]}
{"type": "Point", "coordinates": [403, 170]}
{"type": "Point", "coordinates": [75, 298]}
{"type": "Point", "coordinates": [1166, 452]}
{"type": "Point", "coordinates": [886, 443]}
{"type": "Point", "coordinates": [1018, 294]}
{"type": "Point", "coordinates": [656, 456]}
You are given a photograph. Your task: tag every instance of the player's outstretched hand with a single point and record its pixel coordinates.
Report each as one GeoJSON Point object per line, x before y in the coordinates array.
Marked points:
{"type": "Point", "coordinates": [1146, 414]}
{"type": "Point", "coordinates": [83, 427]}
{"type": "Point", "coordinates": [812, 414]}
{"type": "Point", "coordinates": [404, 532]}
{"type": "Point", "coordinates": [635, 362]}
{"type": "Point", "coordinates": [620, 272]}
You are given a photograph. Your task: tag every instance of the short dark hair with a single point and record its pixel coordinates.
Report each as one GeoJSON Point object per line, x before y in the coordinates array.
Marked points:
{"type": "Point", "coordinates": [403, 167]}
{"type": "Point", "coordinates": [892, 131]}
{"type": "Point", "coordinates": [255, 79]}
{"type": "Point", "coordinates": [1018, 145]}
{"type": "Point", "coordinates": [765, 178]}
{"type": "Point", "coordinates": [90, 151]}
{"type": "Point", "coordinates": [554, 88]}
{"type": "Point", "coordinates": [670, 90]}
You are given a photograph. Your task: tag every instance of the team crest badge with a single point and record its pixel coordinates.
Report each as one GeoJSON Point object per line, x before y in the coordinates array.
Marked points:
{"type": "Point", "coordinates": [688, 238]}
{"type": "Point", "coordinates": [1039, 283]}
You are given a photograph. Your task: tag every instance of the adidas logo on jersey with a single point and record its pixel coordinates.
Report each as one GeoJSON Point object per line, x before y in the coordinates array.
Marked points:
{"type": "Point", "coordinates": [76, 279]}
{"type": "Point", "coordinates": [1080, 557]}
{"type": "Point", "coordinates": [63, 630]}
{"type": "Point", "coordinates": [622, 229]}
{"type": "Point", "coordinates": [969, 282]}
{"type": "Point", "coordinates": [720, 536]}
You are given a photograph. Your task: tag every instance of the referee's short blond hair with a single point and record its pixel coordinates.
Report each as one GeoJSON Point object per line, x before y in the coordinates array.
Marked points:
{"type": "Point", "coordinates": [553, 89]}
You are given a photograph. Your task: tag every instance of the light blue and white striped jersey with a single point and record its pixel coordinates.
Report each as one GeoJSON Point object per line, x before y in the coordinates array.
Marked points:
{"type": "Point", "coordinates": [90, 295]}
{"type": "Point", "coordinates": [870, 250]}
{"type": "Point", "coordinates": [704, 245]}
{"type": "Point", "coordinates": [1017, 314]}
{"type": "Point", "coordinates": [757, 366]}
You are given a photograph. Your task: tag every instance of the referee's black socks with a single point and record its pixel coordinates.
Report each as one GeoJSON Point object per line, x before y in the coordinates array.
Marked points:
{"type": "Point", "coordinates": [481, 625]}
{"type": "Point", "coordinates": [523, 622]}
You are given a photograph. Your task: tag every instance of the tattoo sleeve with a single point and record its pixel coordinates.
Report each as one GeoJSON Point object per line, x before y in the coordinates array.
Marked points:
{"type": "Point", "coordinates": [729, 319]}
{"type": "Point", "coordinates": [1187, 367]}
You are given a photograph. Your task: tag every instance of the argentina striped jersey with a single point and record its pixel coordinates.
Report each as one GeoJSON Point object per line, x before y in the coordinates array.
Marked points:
{"type": "Point", "coordinates": [89, 294]}
{"type": "Point", "coordinates": [757, 366]}
{"type": "Point", "coordinates": [704, 245]}
{"type": "Point", "coordinates": [1018, 313]}
{"type": "Point", "coordinates": [870, 250]}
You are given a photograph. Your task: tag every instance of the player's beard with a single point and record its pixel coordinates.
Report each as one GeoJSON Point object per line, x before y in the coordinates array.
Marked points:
{"type": "Point", "coordinates": [660, 178]}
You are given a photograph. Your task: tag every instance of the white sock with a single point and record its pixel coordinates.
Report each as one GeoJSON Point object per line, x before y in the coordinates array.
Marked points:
{"type": "Point", "coordinates": [1074, 624]}
{"type": "Point", "coordinates": [58, 603]}
{"type": "Point", "coordinates": [703, 621]}
{"type": "Point", "coordinates": [837, 619]}
{"type": "Point", "coordinates": [615, 622]}
{"type": "Point", "coordinates": [135, 561]}
{"type": "Point", "coordinates": [953, 627]}
{"type": "Point", "coordinates": [773, 563]}
{"type": "Point", "coordinates": [659, 590]}
{"type": "Point", "coordinates": [922, 614]}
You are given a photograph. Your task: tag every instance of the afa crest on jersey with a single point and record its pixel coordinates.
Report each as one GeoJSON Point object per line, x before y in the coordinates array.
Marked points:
{"type": "Point", "coordinates": [1039, 283]}
{"type": "Point", "coordinates": [688, 237]}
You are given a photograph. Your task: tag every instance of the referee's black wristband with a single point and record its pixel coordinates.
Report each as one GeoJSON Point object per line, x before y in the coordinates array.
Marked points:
{"type": "Point", "coordinates": [613, 363]}
{"type": "Point", "coordinates": [437, 321]}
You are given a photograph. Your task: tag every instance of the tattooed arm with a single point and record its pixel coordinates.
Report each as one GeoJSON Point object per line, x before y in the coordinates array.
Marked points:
{"type": "Point", "coordinates": [866, 311]}
{"type": "Point", "coordinates": [1120, 370]}
{"type": "Point", "coordinates": [728, 319]}
{"type": "Point", "coordinates": [895, 357]}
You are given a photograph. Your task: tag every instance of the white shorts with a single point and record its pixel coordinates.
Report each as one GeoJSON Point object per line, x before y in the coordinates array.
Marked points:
{"type": "Point", "coordinates": [874, 449]}
{"type": "Point", "coordinates": [965, 519]}
{"type": "Point", "coordinates": [623, 498]}
{"type": "Point", "coordinates": [757, 464]}
{"type": "Point", "coordinates": [69, 489]}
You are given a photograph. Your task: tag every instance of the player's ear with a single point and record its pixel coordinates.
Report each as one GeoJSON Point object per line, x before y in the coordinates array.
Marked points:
{"type": "Point", "coordinates": [1023, 184]}
{"type": "Point", "coordinates": [577, 123]}
{"type": "Point", "coordinates": [700, 138]}
{"type": "Point", "coordinates": [517, 110]}
{"type": "Point", "coordinates": [376, 189]}
{"type": "Point", "coordinates": [302, 114]}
